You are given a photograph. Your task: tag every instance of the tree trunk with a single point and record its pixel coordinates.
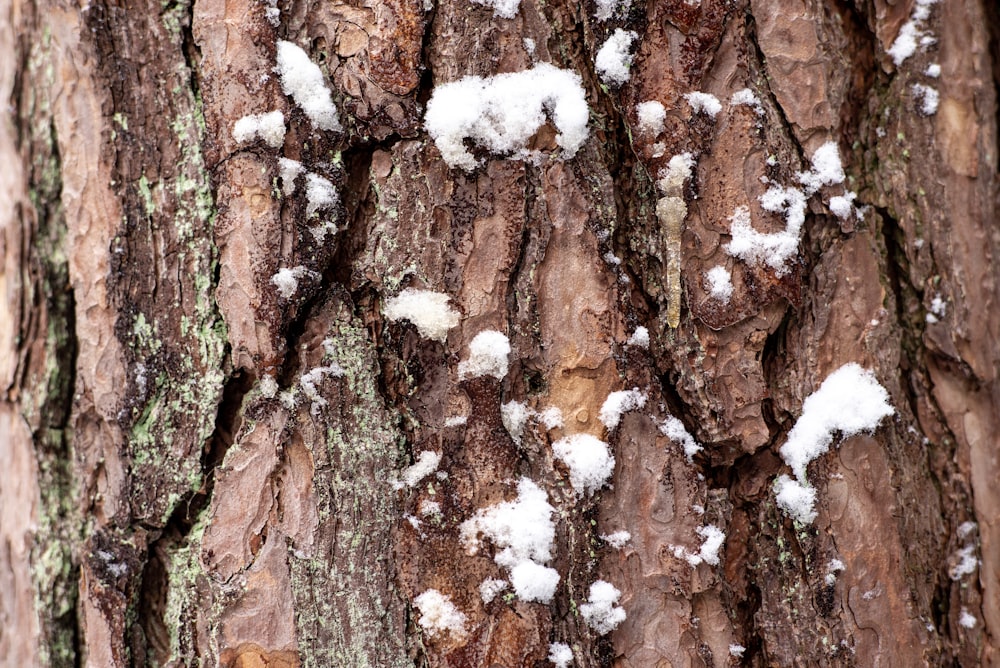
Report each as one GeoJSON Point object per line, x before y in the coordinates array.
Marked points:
{"type": "Point", "coordinates": [212, 407]}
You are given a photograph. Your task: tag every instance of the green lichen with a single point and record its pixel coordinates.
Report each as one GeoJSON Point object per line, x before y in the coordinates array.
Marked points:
{"type": "Point", "coordinates": [147, 195]}
{"type": "Point", "coordinates": [176, 419]}
{"type": "Point", "coordinates": [185, 568]}
{"type": "Point", "coordinates": [337, 626]}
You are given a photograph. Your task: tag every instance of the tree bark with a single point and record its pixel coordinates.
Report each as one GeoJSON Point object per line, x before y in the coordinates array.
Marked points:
{"type": "Point", "coordinates": [200, 466]}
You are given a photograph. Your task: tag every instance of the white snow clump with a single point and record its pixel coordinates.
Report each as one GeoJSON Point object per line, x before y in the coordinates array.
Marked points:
{"type": "Point", "coordinates": [966, 620]}
{"type": "Point", "coordinates": [720, 283]}
{"type": "Point", "coordinates": [705, 103]}
{"type": "Point", "coordinates": [776, 249]}
{"type": "Point", "coordinates": [613, 58]}
{"type": "Point", "coordinates": [302, 80]}
{"type": "Point", "coordinates": [607, 9]}
{"type": "Point", "coordinates": [270, 127]}
{"type": "Point", "coordinates": [797, 500]}
{"type": "Point", "coordinates": [965, 563]}
{"type": "Point", "coordinates": [827, 169]}
{"type": "Point", "coordinates": [427, 310]}
{"type": "Point", "coordinates": [524, 532]}
{"type": "Point", "coordinates": [747, 98]}
{"type": "Point", "coordinates": [309, 380]}
{"type": "Point", "coordinates": [927, 97]}
{"type": "Point", "coordinates": [911, 34]}
{"type": "Point", "coordinates": [488, 353]}
{"type": "Point", "coordinates": [618, 403]}
{"type": "Point", "coordinates": [588, 459]}
{"type": "Point", "coordinates": [849, 401]}
{"type": "Point", "coordinates": [842, 206]}
{"type": "Point", "coordinates": [639, 338]}
{"type": "Point", "coordinates": [505, 9]}
{"type": "Point", "coordinates": [287, 280]}
{"type": "Point", "coordinates": [709, 551]}
{"type": "Point", "coordinates": [600, 611]}
{"type": "Point", "coordinates": [651, 115]}
{"type": "Point", "coordinates": [439, 615]}
{"type": "Point", "coordinates": [617, 540]}
{"type": "Point", "coordinates": [773, 249]}
{"type": "Point", "coordinates": [533, 581]}
{"type": "Point", "coordinates": [674, 429]}
{"type": "Point", "coordinates": [560, 655]}
{"type": "Point", "coordinates": [490, 588]}
{"type": "Point", "coordinates": [504, 111]}
{"type": "Point", "coordinates": [426, 464]}
{"type": "Point", "coordinates": [320, 194]}
{"type": "Point", "coordinates": [289, 170]}
{"type": "Point", "coordinates": [515, 416]}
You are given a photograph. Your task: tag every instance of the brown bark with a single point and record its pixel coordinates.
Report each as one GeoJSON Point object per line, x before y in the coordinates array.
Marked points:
{"type": "Point", "coordinates": [163, 505]}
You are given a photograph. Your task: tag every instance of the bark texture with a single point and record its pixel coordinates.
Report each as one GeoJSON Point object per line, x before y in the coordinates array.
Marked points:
{"type": "Point", "coordinates": [199, 468]}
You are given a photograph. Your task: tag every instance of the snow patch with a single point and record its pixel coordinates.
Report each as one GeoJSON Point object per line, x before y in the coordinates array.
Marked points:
{"type": "Point", "coordinates": [588, 459]}
{"type": "Point", "coordinates": [490, 588]}
{"type": "Point", "coordinates": [827, 170]}
{"type": "Point", "coordinates": [849, 401]}
{"type": "Point", "coordinates": [714, 538]}
{"type": "Point", "coordinates": [639, 338]}
{"type": "Point", "coordinates": [269, 127]}
{"type": "Point", "coordinates": [551, 417]}
{"type": "Point", "coordinates": [504, 111]}
{"type": "Point", "coordinates": [505, 9]}
{"type": "Point", "coordinates": [488, 353]}
{"type": "Point", "coordinates": [309, 380]}
{"type": "Point", "coordinates": [289, 170]}
{"type": "Point", "coordinates": [287, 280]}
{"type": "Point", "coordinates": [524, 532]}
{"type": "Point", "coordinates": [320, 194]}
{"type": "Point", "coordinates": [426, 464]}
{"type": "Point", "coordinates": [302, 80]}
{"type": "Point", "coordinates": [268, 387]}
{"type": "Point", "coordinates": [439, 615]}
{"type": "Point", "coordinates": [774, 249]}
{"type": "Point", "coordinates": [842, 206]}
{"type": "Point", "coordinates": [720, 283]}
{"type": "Point", "coordinates": [608, 9]}
{"type": "Point", "coordinates": [601, 611]}
{"type": "Point", "coordinates": [515, 416]}
{"type": "Point", "coordinates": [533, 582]}
{"type": "Point", "coordinates": [614, 58]}
{"type": "Point", "coordinates": [911, 34]}
{"type": "Point", "coordinates": [427, 310]}
{"type": "Point", "coordinates": [927, 99]}
{"type": "Point", "coordinates": [618, 539]}
{"type": "Point", "coordinates": [797, 500]}
{"type": "Point", "coordinates": [560, 654]}
{"type": "Point", "coordinates": [965, 563]}
{"type": "Point", "coordinates": [618, 403]}
{"type": "Point", "coordinates": [747, 98]}
{"type": "Point", "coordinates": [674, 429]}
{"type": "Point", "coordinates": [704, 103]}
{"type": "Point", "coordinates": [736, 650]}
{"type": "Point", "coordinates": [652, 115]}
{"type": "Point", "coordinates": [966, 619]}
{"type": "Point", "coordinates": [428, 507]}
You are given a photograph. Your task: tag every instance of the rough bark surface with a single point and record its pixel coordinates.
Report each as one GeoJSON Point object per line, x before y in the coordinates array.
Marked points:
{"type": "Point", "coordinates": [199, 468]}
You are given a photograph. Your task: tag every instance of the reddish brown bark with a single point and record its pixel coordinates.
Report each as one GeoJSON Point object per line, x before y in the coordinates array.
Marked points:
{"type": "Point", "coordinates": [163, 504]}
